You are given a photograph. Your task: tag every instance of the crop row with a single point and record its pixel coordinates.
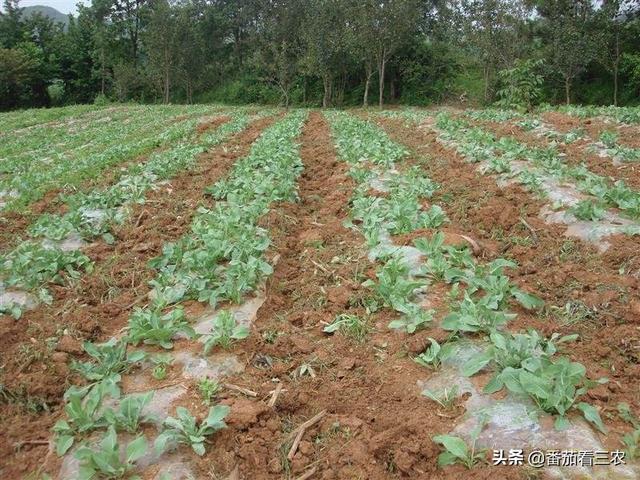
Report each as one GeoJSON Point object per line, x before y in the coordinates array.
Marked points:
{"type": "Point", "coordinates": [10, 121]}
{"type": "Point", "coordinates": [479, 145]}
{"type": "Point", "coordinates": [106, 145]}
{"type": "Point", "coordinates": [607, 143]}
{"type": "Point", "coordinates": [39, 261]}
{"type": "Point", "coordinates": [480, 294]}
{"type": "Point", "coordinates": [220, 260]}
{"type": "Point", "coordinates": [628, 115]}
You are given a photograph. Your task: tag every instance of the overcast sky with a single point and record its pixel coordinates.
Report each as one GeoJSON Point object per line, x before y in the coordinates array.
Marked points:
{"type": "Point", "coordinates": [64, 6]}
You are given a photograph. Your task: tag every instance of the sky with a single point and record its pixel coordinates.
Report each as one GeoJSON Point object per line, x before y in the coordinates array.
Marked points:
{"type": "Point", "coordinates": [64, 6]}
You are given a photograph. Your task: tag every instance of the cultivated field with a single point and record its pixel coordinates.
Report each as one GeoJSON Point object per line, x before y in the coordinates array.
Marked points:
{"type": "Point", "coordinates": [217, 292]}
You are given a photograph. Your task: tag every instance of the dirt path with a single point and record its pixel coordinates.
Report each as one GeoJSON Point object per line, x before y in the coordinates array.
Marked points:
{"type": "Point", "coordinates": [34, 351]}
{"type": "Point", "coordinates": [377, 424]}
{"type": "Point", "coordinates": [560, 270]}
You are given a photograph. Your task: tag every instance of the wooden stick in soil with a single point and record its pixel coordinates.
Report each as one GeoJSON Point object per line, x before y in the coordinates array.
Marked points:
{"type": "Point", "coordinates": [274, 397]}
{"type": "Point", "coordinates": [307, 474]}
{"type": "Point", "coordinates": [246, 391]}
{"type": "Point", "coordinates": [300, 431]}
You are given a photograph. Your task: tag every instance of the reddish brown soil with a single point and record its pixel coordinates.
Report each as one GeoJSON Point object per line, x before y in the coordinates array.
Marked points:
{"type": "Point", "coordinates": [550, 265]}
{"type": "Point", "coordinates": [95, 307]}
{"type": "Point", "coordinates": [576, 152]}
{"type": "Point", "coordinates": [377, 425]}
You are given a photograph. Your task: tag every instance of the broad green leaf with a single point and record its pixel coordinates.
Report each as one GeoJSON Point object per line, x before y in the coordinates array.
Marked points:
{"type": "Point", "coordinates": [63, 444]}
{"type": "Point", "coordinates": [136, 449]}
{"type": "Point", "coordinates": [454, 445]}
{"type": "Point", "coordinates": [591, 414]}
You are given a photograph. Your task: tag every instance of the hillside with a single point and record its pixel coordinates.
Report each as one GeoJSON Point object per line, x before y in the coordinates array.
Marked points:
{"type": "Point", "coordinates": [50, 12]}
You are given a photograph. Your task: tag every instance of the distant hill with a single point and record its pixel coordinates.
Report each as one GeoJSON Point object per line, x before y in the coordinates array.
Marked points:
{"type": "Point", "coordinates": [50, 12]}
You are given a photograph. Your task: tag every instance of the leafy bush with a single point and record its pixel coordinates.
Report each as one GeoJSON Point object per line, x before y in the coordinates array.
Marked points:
{"type": "Point", "coordinates": [521, 85]}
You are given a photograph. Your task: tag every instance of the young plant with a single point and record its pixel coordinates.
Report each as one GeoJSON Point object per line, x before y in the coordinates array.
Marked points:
{"type": "Point", "coordinates": [433, 355]}
{"type": "Point", "coordinates": [106, 461]}
{"type": "Point", "coordinates": [414, 318]}
{"type": "Point", "coordinates": [83, 415]}
{"type": "Point", "coordinates": [446, 397]}
{"type": "Point", "coordinates": [226, 331]}
{"type": "Point", "coordinates": [208, 388]}
{"type": "Point", "coordinates": [185, 429]}
{"type": "Point", "coordinates": [152, 327]}
{"type": "Point", "coordinates": [161, 363]}
{"type": "Point", "coordinates": [609, 138]}
{"type": "Point", "coordinates": [109, 358]}
{"type": "Point", "coordinates": [555, 387]}
{"type": "Point", "coordinates": [472, 316]}
{"type": "Point", "coordinates": [457, 450]}
{"type": "Point", "coordinates": [350, 325]}
{"type": "Point", "coordinates": [630, 440]}
{"type": "Point", "coordinates": [589, 210]}
{"type": "Point", "coordinates": [394, 285]}
{"type": "Point", "coordinates": [510, 351]}
{"type": "Point", "coordinates": [128, 416]}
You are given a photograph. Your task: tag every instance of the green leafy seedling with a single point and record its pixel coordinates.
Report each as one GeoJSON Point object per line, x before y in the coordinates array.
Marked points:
{"type": "Point", "coordinates": [106, 461]}
{"type": "Point", "coordinates": [457, 450]}
{"type": "Point", "coordinates": [225, 331]}
{"type": "Point", "coordinates": [152, 327]}
{"type": "Point", "coordinates": [185, 429]}
{"type": "Point", "coordinates": [129, 414]}
{"type": "Point", "coordinates": [350, 325]}
{"type": "Point", "coordinates": [161, 363]}
{"type": "Point", "coordinates": [208, 388]}
{"type": "Point", "coordinates": [109, 358]}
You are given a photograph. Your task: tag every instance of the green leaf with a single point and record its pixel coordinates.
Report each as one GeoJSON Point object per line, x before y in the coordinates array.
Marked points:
{"type": "Point", "coordinates": [454, 445]}
{"type": "Point", "coordinates": [476, 363]}
{"type": "Point", "coordinates": [561, 423]}
{"type": "Point", "coordinates": [160, 444]}
{"type": "Point", "coordinates": [591, 414]}
{"type": "Point", "coordinates": [534, 385]}
{"type": "Point", "coordinates": [446, 458]}
{"type": "Point", "coordinates": [63, 444]}
{"type": "Point", "coordinates": [527, 300]}
{"type": "Point", "coordinates": [136, 449]}
{"type": "Point", "coordinates": [198, 448]}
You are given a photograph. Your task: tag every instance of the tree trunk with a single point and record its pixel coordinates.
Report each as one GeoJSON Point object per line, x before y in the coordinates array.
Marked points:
{"type": "Point", "coordinates": [485, 75]}
{"type": "Point", "coordinates": [102, 71]}
{"type": "Point", "coordinates": [326, 82]}
{"type": "Point", "coordinates": [616, 64]}
{"type": "Point", "coordinates": [567, 89]}
{"type": "Point", "coordinates": [615, 86]}
{"type": "Point", "coordinates": [166, 76]}
{"type": "Point", "coordinates": [381, 67]}
{"type": "Point", "coordinates": [367, 82]}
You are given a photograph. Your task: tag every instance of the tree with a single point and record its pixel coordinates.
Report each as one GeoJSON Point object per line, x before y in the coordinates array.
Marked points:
{"type": "Point", "coordinates": [493, 31]}
{"type": "Point", "coordinates": [17, 69]}
{"type": "Point", "coordinates": [388, 26]}
{"type": "Point", "coordinates": [11, 28]}
{"type": "Point", "coordinates": [325, 45]}
{"type": "Point", "coordinates": [160, 40]}
{"type": "Point", "coordinates": [610, 22]}
{"type": "Point", "coordinates": [568, 30]}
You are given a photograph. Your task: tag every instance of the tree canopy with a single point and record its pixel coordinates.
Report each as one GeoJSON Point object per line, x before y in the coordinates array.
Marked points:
{"type": "Point", "coordinates": [321, 52]}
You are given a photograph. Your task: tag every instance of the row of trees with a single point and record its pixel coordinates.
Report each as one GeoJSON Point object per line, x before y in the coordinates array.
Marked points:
{"type": "Point", "coordinates": [328, 52]}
